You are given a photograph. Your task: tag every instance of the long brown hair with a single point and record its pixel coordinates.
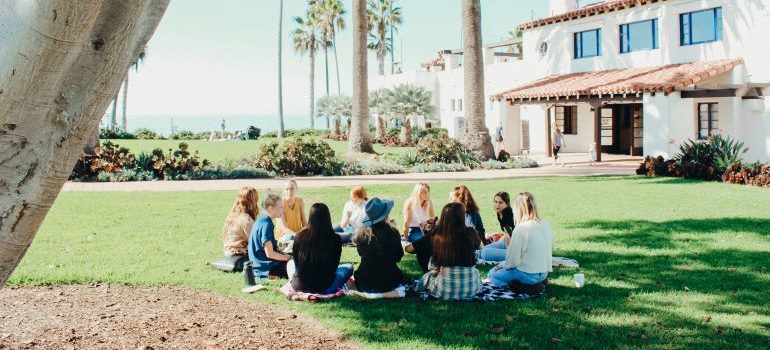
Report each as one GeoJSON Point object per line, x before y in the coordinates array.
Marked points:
{"type": "Point", "coordinates": [452, 244]}
{"type": "Point", "coordinates": [247, 202]}
{"type": "Point", "coordinates": [463, 195]}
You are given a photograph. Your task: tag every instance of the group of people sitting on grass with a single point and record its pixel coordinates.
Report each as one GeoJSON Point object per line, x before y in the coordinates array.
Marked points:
{"type": "Point", "coordinates": [281, 242]}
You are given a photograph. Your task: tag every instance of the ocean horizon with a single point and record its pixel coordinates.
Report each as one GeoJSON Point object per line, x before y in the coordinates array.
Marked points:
{"type": "Point", "coordinates": [162, 124]}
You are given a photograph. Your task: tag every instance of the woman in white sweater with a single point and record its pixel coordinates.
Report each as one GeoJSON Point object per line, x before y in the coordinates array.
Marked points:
{"type": "Point", "coordinates": [528, 257]}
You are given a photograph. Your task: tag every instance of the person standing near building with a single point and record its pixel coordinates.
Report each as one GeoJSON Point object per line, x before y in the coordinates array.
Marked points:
{"type": "Point", "coordinates": [557, 140]}
{"type": "Point", "coordinates": [499, 138]}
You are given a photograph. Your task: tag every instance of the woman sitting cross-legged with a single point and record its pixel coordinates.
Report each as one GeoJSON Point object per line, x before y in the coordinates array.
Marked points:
{"type": "Point", "coordinates": [293, 219]}
{"type": "Point", "coordinates": [496, 251]}
{"type": "Point", "coordinates": [529, 253]}
{"type": "Point", "coordinates": [453, 274]}
{"type": "Point", "coordinates": [379, 245]}
{"type": "Point", "coordinates": [317, 249]}
{"type": "Point", "coordinates": [265, 258]}
{"type": "Point", "coordinates": [238, 225]}
{"type": "Point", "coordinates": [352, 214]}
{"type": "Point", "coordinates": [418, 209]}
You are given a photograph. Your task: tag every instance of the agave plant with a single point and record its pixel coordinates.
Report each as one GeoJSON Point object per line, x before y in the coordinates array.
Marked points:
{"type": "Point", "coordinates": [726, 152]}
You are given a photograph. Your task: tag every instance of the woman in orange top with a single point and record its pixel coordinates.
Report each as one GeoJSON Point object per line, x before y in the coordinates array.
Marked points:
{"type": "Point", "coordinates": [294, 219]}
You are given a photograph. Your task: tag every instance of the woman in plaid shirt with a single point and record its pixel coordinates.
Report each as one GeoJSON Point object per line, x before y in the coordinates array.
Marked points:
{"type": "Point", "coordinates": [452, 272]}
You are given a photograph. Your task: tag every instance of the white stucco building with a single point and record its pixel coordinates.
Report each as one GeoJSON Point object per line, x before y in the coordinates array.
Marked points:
{"type": "Point", "coordinates": [637, 77]}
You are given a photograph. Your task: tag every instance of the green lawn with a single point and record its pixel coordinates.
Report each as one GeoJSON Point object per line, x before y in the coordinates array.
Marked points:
{"type": "Point", "coordinates": [235, 150]}
{"type": "Point", "coordinates": [669, 264]}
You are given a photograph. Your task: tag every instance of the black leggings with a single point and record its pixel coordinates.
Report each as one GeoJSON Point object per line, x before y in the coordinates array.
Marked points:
{"type": "Point", "coordinates": [556, 152]}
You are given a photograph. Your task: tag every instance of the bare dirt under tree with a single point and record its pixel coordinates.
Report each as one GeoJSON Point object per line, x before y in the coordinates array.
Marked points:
{"type": "Point", "coordinates": [120, 317]}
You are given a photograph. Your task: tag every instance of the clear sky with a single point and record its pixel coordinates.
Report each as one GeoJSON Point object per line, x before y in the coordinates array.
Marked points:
{"type": "Point", "coordinates": [219, 57]}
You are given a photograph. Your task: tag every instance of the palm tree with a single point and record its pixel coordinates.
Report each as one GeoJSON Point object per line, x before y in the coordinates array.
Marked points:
{"type": "Point", "coordinates": [379, 101]}
{"type": "Point", "coordinates": [135, 65]}
{"type": "Point", "coordinates": [515, 34]}
{"type": "Point", "coordinates": [360, 140]}
{"type": "Point", "coordinates": [329, 16]}
{"type": "Point", "coordinates": [383, 15]}
{"type": "Point", "coordinates": [336, 107]}
{"type": "Point", "coordinates": [407, 101]}
{"type": "Point", "coordinates": [281, 132]}
{"type": "Point", "coordinates": [306, 41]}
{"type": "Point", "coordinates": [476, 135]}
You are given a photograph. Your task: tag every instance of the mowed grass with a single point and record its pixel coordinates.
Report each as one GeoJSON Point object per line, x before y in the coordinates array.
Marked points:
{"type": "Point", "coordinates": [669, 264]}
{"type": "Point", "coordinates": [216, 151]}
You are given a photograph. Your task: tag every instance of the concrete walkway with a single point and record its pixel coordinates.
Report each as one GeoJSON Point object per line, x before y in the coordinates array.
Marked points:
{"type": "Point", "coordinates": [574, 165]}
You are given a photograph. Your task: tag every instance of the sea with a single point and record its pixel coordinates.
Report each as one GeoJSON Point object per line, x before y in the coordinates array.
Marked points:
{"type": "Point", "coordinates": [165, 124]}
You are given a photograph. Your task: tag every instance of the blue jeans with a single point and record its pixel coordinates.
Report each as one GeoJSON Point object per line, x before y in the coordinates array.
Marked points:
{"type": "Point", "coordinates": [346, 234]}
{"type": "Point", "coordinates": [343, 274]}
{"type": "Point", "coordinates": [502, 277]}
{"type": "Point", "coordinates": [494, 251]}
{"type": "Point", "coordinates": [415, 233]}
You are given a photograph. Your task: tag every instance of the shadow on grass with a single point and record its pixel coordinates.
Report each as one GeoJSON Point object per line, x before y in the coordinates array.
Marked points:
{"type": "Point", "coordinates": [632, 299]}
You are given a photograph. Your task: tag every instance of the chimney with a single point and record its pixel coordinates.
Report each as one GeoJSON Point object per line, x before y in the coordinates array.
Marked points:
{"type": "Point", "coordinates": [559, 7]}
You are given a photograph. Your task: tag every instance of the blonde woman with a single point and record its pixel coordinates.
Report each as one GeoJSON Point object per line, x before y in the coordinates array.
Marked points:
{"type": "Point", "coordinates": [235, 233]}
{"type": "Point", "coordinates": [265, 258]}
{"type": "Point", "coordinates": [293, 219]}
{"type": "Point", "coordinates": [530, 247]}
{"type": "Point", "coordinates": [418, 209]}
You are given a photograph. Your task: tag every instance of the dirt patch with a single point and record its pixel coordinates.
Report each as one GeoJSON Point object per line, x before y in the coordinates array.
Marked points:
{"type": "Point", "coordinates": [120, 317]}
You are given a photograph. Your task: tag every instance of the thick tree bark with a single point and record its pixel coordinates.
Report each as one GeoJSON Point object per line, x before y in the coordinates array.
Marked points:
{"type": "Point", "coordinates": [360, 140]}
{"type": "Point", "coordinates": [406, 131]}
{"type": "Point", "coordinates": [476, 135]}
{"type": "Point", "coordinates": [61, 64]}
{"type": "Point", "coordinates": [380, 128]}
{"type": "Point", "coordinates": [382, 51]}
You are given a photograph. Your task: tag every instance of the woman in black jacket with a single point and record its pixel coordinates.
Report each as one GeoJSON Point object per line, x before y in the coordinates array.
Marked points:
{"type": "Point", "coordinates": [496, 251]}
{"type": "Point", "coordinates": [379, 245]}
{"type": "Point", "coordinates": [317, 249]}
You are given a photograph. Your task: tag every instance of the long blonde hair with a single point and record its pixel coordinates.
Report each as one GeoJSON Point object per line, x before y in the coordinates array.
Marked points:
{"type": "Point", "coordinates": [247, 202]}
{"type": "Point", "coordinates": [526, 208]}
{"type": "Point", "coordinates": [414, 198]}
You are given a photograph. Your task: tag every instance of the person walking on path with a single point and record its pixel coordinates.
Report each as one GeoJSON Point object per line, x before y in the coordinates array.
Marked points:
{"type": "Point", "coordinates": [557, 140]}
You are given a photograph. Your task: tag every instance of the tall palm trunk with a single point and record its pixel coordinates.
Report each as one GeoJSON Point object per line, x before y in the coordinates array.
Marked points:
{"type": "Point", "coordinates": [476, 134]}
{"type": "Point", "coordinates": [281, 131]}
{"type": "Point", "coordinates": [114, 115]}
{"type": "Point", "coordinates": [124, 121]}
{"type": "Point", "coordinates": [336, 65]}
{"type": "Point", "coordinates": [380, 127]}
{"type": "Point", "coordinates": [382, 50]}
{"type": "Point", "coordinates": [79, 59]}
{"type": "Point", "coordinates": [360, 140]}
{"type": "Point", "coordinates": [326, 64]}
{"type": "Point", "coordinates": [312, 86]}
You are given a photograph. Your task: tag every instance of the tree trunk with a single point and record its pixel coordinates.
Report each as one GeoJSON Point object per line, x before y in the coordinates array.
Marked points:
{"type": "Point", "coordinates": [326, 64]}
{"type": "Point", "coordinates": [337, 129]}
{"type": "Point", "coordinates": [65, 61]}
{"type": "Point", "coordinates": [312, 86]}
{"type": "Point", "coordinates": [382, 51]}
{"type": "Point", "coordinates": [124, 122]}
{"type": "Point", "coordinates": [114, 115]}
{"type": "Point", "coordinates": [360, 140]}
{"type": "Point", "coordinates": [380, 128]}
{"type": "Point", "coordinates": [336, 65]}
{"type": "Point", "coordinates": [406, 131]}
{"type": "Point", "coordinates": [281, 131]}
{"type": "Point", "coordinates": [476, 135]}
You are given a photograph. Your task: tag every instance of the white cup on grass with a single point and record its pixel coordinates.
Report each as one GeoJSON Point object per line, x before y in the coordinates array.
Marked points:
{"type": "Point", "coordinates": [580, 280]}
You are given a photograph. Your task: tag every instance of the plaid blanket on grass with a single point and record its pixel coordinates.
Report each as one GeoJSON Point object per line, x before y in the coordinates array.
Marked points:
{"type": "Point", "coordinates": [489, 292]}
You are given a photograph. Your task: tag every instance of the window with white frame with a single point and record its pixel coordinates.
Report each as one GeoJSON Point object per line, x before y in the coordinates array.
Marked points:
{"type": "Point", "coordinates": [459, 105]}
{"type": "Point", "coordinates": [454, 107]}
{"type": "Point", "coordinates": [565, 118]}
{"type": "Point", "coordinates": [708, 120]}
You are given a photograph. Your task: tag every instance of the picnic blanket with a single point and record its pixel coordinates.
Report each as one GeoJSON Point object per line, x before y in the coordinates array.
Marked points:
{"type": "Point", "coordinates": [293, 295]}
{"type": "Point", "coordinates": [490, 292]}
{"type": "Point", "coordinates": [556, 261]}
{"type": "Point", "coordinates": [399, 292]}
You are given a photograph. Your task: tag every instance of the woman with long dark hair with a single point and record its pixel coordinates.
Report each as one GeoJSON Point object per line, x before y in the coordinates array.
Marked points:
{"type": "Point", "coordinates": [462, 195]}
{"type": "Point", "coordinates": [315, 267]}
{"type": "Point", "coordinates": [496, 251]}
{"type": "Point", "coordinates": [452, 271]}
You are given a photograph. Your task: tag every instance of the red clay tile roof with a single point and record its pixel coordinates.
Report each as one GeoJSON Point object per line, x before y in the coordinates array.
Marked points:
{"type": "Point", "coordinates": [588, 11]}
{"type": "Point", "coordinates": [619, 81]}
